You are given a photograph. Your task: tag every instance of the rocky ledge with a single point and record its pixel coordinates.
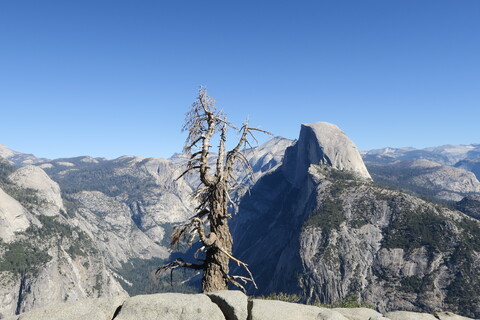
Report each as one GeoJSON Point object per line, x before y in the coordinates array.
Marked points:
{"type": "Point", "coordinates": [221, 305]}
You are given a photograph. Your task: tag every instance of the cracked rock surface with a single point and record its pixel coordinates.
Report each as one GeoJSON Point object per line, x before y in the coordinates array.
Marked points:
{"type": "Point", "coordinates": [220, 305]}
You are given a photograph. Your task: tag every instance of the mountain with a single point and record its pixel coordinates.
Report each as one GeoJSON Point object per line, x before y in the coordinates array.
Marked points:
{"type": "Point", "coordinates": [472, 165]}
{"type": "Point", "coordinates": [328, 233]}
{"type": "Point", "coordinates": [17, 158]}
{"type": "Point", "coordinates": [325, 144]}
{"type": "Point", "coordinates": [87, 227]}
{"type": "Point", "coordinates": [313, 224]}
{"type": "Point", "coordinates": [41, 251]}
{"type": "Point", "coordinates": [446, 174]}
{"type": "Point", "coordinates": [426, 178]}
{"type": "Point", "coordinates": [447, 154]}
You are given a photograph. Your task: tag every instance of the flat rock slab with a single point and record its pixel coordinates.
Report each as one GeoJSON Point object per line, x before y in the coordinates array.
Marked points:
{"type": "Point", "coordinates": [275, 310]}
{"type": "Point", "coordinates": [88, 309]}
{"type": "Point", "coordinates": [359, 313]}
{"type": "Point", "coordinates": [450, 316]}
{"type": "Point", "coordinates": [407, 315]}
{"type": "Point", "coordinates": [170, 306]}
{"type": "Point", "coordinates": [232, 303]}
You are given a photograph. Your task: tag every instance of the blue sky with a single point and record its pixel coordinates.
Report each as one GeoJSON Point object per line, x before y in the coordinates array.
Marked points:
{"type": "Point", "coordinates": [109, 78]}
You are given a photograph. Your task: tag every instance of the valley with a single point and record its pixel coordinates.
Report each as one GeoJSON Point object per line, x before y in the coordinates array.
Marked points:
{"type": "Point", "coordinates": [396, 228]}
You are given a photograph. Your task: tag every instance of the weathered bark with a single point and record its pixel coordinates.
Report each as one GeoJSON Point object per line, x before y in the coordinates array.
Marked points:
{"type": "Point", "coordinates": [217, 270]}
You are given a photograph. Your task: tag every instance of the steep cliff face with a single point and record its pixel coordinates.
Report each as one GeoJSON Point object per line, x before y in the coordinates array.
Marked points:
{"type": "Point", "coordinates": [58, 270]}
{"type": "Point", "coordinates": [393, 250]}
{"type": "Point", "coordinates": [322, 143]}
{"type": "Point", "coordinates": [270, 219]}
{"type": "Point", "coordinates": [47, 191]}
{"type": "Point", "coordinates": [328, 234]}
{"type": "Point", "coordinates": [109, 223]}
{"type": "Point", "coordinates": [13, 217]}
{"type": "Point", "coordinates": [51, 263]}
{"type": "Point", "coordinates": [44, 258]}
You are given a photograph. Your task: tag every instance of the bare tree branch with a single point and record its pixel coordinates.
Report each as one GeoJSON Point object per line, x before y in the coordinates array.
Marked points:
{"type": "Point", "coordinates": [205, 125]}
{"type": "Point", "coordinates": [207, 241]}
{"type": "Point", "coordinates": [187, 171]}
{"type": "Point", "coordinates": [179, 263]}
{"type": "Point", "coordinates": [181, 231]}
{"type": "Point", "coordinates": [221, 152]}
{"type": "Point", "coordinates": [240, 263]}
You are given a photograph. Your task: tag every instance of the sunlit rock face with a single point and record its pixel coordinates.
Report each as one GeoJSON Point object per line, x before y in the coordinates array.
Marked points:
{"type": "Point", "coordinates": [47, 190]}
{"type": "Point", "coordinates": [322, 143]}
{"type": "Point", "coordinates": [13, 217]}
{"type": "Point", "coordinates": [426, 178]}
{"type": "Point", "coordinates": [319, 227]}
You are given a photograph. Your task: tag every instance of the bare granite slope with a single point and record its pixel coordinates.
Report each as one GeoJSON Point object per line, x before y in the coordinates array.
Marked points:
{"type": "Point", "coordinates": [221, 305]}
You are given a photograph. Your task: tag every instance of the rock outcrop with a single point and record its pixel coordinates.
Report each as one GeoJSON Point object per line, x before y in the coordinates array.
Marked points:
{"type": "Point", "coordinates": [405, 315]}
{"type": "Point", "coordinates": [329, 235]}
{"type": "Point", "coordinates": [360, 313]}
{"type": "Point", "coordinates": [105, 235]}
{"type": "Point", "coordinates": [170, 306]}
{"type": "Point", "coordinates": [84, 309]}
{"type": "Point", "coordinates": [18, 158]}
{"type": "Point", "coordinates": [231, 306]}
{"type": "Point", "coordinates": [271, 309]}
{"type": "Point", "coordinates": [44, 258]}
{"type": "Point", "coordinates": [322, 143]}
{"type": "Point", "coordinates": [47, 190]}
{"type": "Point", "coordinates": [314, 225]}
{"type": "Point", "coordinates": [234, 304]}
{"type": "Point", "coordinates": [426, 178]}
{"type": "Point", "coordinates": [109, 223]}
{"type": "Point", "coordinates": [13, 217]}
{"type": "Point", "coordinates": [472, 165]}
{"type": "Point", "coordinates": [52, 269]}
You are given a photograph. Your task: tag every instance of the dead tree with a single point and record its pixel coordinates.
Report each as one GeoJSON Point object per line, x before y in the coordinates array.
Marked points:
{"type": "Point", "coordinates": [216, 172]}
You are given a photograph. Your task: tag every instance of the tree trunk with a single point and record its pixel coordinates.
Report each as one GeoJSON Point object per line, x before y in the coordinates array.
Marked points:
{"type": "Point", "coordinates": [215, 274]}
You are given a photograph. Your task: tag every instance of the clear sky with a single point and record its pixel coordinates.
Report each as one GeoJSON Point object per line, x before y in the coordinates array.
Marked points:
{"type": "Point", "coordinates": [115, 77]}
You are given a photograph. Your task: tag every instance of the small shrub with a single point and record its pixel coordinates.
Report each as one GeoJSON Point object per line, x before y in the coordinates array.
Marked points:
{"type": "Point", "coordinates": [348, 302]}
{"type": "Point", "coordinates": [282, 296]}
{"type": "Point", "coordinates": [351, 302]}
